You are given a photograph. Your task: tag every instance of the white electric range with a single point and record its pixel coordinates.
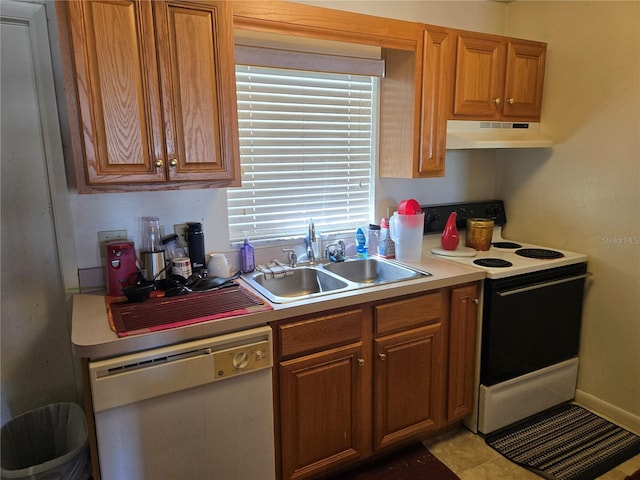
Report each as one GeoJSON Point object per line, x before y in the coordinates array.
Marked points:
{"type": "Point", "coordinates": [531, 311]}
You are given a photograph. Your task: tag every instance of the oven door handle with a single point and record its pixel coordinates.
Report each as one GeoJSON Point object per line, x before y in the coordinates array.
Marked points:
{"type": "Point", "coordinates": [515, 291]}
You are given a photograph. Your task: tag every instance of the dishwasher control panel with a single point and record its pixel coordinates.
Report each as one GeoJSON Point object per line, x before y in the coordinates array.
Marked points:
{"type": "Point", "coordinates": [241, 359]}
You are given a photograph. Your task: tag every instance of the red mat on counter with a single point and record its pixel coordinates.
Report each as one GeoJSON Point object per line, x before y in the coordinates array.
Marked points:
{"type": "Point", "coordinates": [158, 314]}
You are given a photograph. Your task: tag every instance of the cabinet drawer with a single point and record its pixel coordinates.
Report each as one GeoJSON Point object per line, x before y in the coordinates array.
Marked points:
{"type": "Point", "coordinates": [320, 332]}
{"type": "Point", "coordinates": [408, 313]}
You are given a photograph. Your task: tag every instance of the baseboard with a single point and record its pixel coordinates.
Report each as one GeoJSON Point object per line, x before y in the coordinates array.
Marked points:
{"type": "Point", "coordinates": [611, 412]}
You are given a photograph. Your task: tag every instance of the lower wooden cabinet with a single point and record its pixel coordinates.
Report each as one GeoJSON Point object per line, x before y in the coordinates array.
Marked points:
{"type": "Point", "coordinates": [322, 409]}
{"type": "Point", "coordinates": [408, 384]}
{"type": "Point", "coordinates": [353, 382]}
{"type": "Point", "coordinates": [462, 351]}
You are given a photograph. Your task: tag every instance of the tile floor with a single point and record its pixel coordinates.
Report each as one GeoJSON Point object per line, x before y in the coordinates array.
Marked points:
{"type": "Point", "coordinates": [469, 457]}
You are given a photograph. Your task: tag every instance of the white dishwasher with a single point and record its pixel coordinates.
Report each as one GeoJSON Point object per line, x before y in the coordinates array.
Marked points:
{"type": "Point", "coordinates": [196, 410]}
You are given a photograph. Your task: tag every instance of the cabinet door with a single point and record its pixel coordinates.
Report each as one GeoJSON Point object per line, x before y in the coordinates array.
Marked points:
{"type": "Point", "coordinates": [195, 43]}
{"type": "Point", "coordinates": [408, 376]}
{"type": "Point", "coordinates": [435, 95]}
{"type": "Point", "coordinates": [479, 77]}
{"type": "Point", "coordinates": [323, 412]}
{"type": "Point", "coordinates": [524, 80]}
{"type": "Point", "coordinates": [117, 85]}
{"type": "Point", "coordinates": [462, 351]}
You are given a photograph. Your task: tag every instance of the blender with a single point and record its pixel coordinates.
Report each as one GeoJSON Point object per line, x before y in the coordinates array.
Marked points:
{"type": "Point", "coordinates": [152, 250]}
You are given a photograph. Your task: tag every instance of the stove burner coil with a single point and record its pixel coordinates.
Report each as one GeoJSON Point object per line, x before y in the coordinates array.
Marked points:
{"type": "Point", "coordinates": [511, 245]}
{"type": "Point", "coordinates": [493, 262]}
{"type": "Point", "coordinates": [539, 253]}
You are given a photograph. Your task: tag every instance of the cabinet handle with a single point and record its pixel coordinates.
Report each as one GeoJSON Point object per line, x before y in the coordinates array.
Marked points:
{"type": "Point", "coordinates": [159, 163]}
{"type": "Point", "coordinates": [173, 162]}
{"type": "Point", "coordinates": [360, 362]}
{"type": "Point", "coordinates": [510, 101]}
{"type": "Point", "coordinates": [382, 356]}
{"type": "Point", "coordinates": [476, 301]}
{"type": "Point", "coordinates": [496, 101]}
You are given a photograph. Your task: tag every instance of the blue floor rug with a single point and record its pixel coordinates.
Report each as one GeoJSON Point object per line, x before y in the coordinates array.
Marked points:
{"type": "Point", "coordinates": [566, 443]}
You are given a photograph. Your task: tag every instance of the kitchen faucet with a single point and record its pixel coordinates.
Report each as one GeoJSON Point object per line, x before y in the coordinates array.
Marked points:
{"type": "Point", "coordinates": [312, 242]}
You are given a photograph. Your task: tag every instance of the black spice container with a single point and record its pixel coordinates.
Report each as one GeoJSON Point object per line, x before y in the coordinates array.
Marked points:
{"type": "Point", "coordinates": [195, 241]}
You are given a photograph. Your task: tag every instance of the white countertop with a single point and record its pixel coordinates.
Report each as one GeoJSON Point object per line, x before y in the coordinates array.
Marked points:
{"type": "Point", "coordinates": [93, 338]}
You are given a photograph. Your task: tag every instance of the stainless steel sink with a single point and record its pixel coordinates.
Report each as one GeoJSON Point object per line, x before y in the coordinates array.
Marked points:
{"type": "Point", "coordinates": [303, 282]}
{"type": "Point", "coordinates": [371, 271]}
{"type": "Point", "coordinates": [314, 280]}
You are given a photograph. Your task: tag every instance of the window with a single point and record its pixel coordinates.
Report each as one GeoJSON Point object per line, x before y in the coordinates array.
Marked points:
{"type": "Point", "coordinates": [306, 150]}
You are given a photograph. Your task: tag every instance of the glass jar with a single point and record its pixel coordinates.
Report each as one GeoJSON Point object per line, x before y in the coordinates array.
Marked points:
{"type": "Point", "coordinates": [479, 233]}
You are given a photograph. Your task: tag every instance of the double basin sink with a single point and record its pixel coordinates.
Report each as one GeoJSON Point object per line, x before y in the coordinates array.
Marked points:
{"type": "Point", "coordinates": [313, 280]}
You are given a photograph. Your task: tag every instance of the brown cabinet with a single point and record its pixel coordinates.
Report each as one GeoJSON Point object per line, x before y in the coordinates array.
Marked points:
{"type": "Point", "coordinates": [408, 384]}
{"type": "Point", "coordinates": [415, 96]}
{"type": "Point", "coordinates": [463, 321]}
{"type": "Point", "coordinates": [408, 367]}
{"type": "Point", "coordinates": [498, 78]}
{"type": "Point", "coordinates": [151, 94]}
{"type": "Point", "coordinates": [354, 382]}
{"type": "Point", "coordinates": [323, 398]}
{"type": "Point", "coordinates": [322, 409]}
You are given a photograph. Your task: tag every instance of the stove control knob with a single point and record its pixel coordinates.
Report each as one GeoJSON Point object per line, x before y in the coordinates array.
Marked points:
{"type": "Point", "coordinates": [431, 216]}
{"type": "Point", "coordinates": [462, 213]}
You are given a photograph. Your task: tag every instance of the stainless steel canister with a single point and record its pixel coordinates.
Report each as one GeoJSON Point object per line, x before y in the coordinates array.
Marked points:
{"type": "Point", "coordinates": [479, 233]}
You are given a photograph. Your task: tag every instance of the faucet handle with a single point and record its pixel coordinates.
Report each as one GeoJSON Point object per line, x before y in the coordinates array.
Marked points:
{"type": "Point", "coordinates": [335, 252]}
{"type": "Point", "coordinates": [293, 257]}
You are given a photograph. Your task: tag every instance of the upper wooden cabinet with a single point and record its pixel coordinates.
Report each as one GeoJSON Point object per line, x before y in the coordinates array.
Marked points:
{"type": "Point", "coordinates": [151, 94]}
{"type": "Point", "coordinates": [415, 95]}
{"type": "Point", "coordinates": [498, 78]}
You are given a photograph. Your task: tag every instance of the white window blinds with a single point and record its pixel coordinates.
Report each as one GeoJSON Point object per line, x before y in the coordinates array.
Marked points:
{"type": "Point", "coordinates": [306, 149]}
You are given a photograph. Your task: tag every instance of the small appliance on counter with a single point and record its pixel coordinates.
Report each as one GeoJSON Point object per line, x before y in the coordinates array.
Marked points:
{"type": "Point", "coordinates": [152, 250]}
{"type": "Point", "coordinates": [121, 265]}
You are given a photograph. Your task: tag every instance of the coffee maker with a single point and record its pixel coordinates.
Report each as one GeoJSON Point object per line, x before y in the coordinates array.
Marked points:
{"type": "Point", "coordinates": [121, 266]}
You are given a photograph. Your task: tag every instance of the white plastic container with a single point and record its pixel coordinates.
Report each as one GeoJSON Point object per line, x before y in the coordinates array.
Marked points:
{"type": "Point", "coordinates": [406, 231]}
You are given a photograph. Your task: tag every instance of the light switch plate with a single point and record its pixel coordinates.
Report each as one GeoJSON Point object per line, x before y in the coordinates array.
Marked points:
{"type": "Point", "coordinates": [110, 236]}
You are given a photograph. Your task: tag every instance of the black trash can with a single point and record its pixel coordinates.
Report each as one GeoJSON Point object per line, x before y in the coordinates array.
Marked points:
{"type": "Point", "coordinates": [48, 443]}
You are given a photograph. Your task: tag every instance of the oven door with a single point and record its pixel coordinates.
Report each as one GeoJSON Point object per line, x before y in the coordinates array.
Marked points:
{"type": "Point", "coordinates": [531, 321]}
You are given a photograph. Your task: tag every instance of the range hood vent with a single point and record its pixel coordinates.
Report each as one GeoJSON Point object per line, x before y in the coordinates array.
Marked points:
{"type": "Point", "coordinates": [464, 134]}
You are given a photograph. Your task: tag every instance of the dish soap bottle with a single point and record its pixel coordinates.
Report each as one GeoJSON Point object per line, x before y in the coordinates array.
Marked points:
{"type": "Point", "coordinates": [361, 241]}
{"type": "Point", "coordinates": [247, 258]}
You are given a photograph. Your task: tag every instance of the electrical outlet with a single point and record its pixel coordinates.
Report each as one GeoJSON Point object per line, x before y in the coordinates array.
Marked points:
{"type": "Point", "coordinates": [110, 236]}
{"type": "Point", "coordinates": [180, 229]}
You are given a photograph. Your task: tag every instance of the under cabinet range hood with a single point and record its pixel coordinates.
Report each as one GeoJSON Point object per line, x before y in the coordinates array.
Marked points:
{"type": "Point", "coordinates": [469, 134]}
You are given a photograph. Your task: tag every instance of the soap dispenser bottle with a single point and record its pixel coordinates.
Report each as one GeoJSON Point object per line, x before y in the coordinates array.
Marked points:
{"type": "Point", "coordinates": [247, 258]}
{"type": "Point", "coordinates": [361, 242]}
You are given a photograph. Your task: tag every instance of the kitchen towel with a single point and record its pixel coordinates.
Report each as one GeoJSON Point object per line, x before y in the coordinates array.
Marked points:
{"type": "Point", "coordinates": [566, 443]}
{"type": "Point", "coordinates": [275, 269]}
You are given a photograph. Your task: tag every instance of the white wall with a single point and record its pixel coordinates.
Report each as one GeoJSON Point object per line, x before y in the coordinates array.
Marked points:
{"type": "Point", "coordinates": [586, 195]}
